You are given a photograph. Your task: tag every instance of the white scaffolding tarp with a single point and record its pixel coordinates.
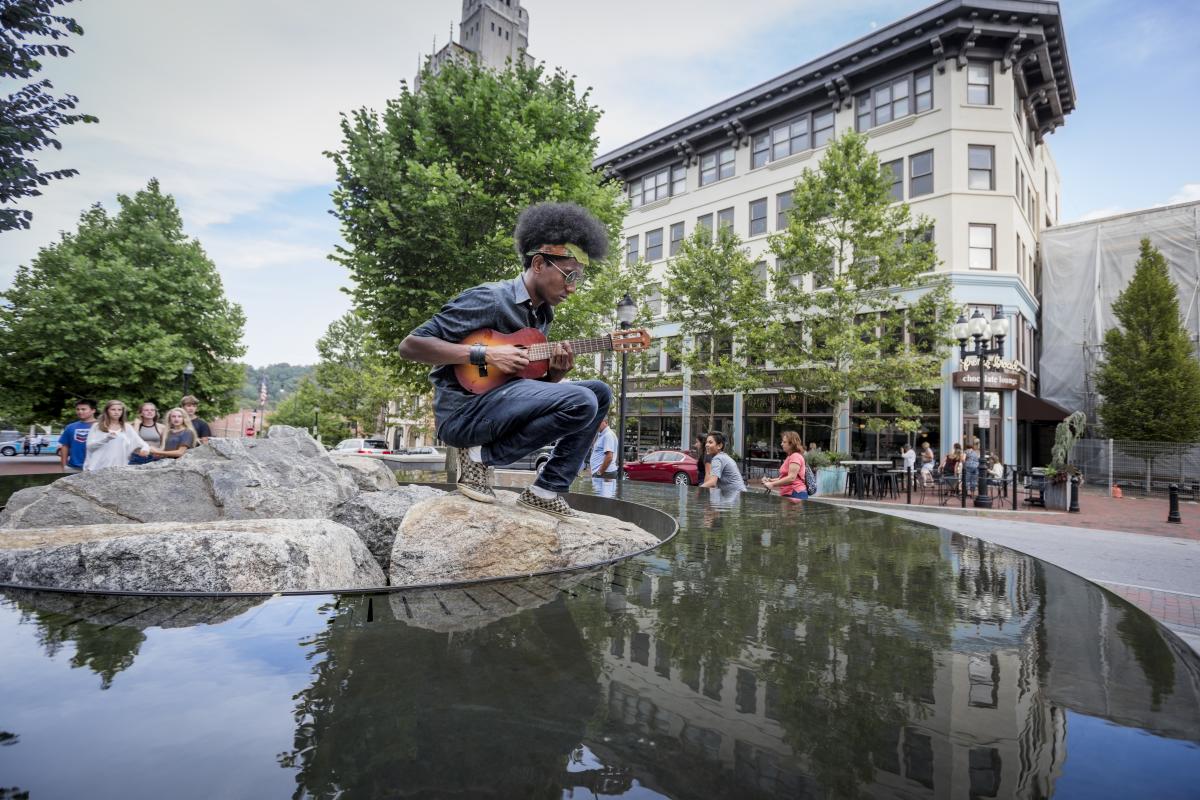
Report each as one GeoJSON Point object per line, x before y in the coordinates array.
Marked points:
{"type": "Point", "coordinates": [1085, 266]}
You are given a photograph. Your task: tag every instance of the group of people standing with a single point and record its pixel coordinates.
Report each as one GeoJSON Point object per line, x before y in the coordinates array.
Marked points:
{"type": "Point", "coordinates": [110, 439]}
{"type": "Point", "coordinates": [962, 463]}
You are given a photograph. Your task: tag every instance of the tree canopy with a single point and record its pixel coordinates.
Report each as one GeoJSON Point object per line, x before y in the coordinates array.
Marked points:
{"type": "Point", "coordinates": [30, 116]}
{"type": "Point", "coordinates": [428, 193]}
{"type": "Point", "coordinates": [1150, 378]}
{"type": "Point", "coordinates": [877, 318]}
{"type": "Point", "coordinates": [356, 378]}
{"type": "Point", "coordinates": [114, 310]}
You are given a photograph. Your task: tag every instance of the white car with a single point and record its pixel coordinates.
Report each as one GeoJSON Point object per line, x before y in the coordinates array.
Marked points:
{"type": "Point", "coordinates": [363, 447]}
{"type": "Point", "coordinates": [419, 455]}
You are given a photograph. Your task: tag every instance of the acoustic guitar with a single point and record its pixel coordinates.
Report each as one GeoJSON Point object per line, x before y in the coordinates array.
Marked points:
{"type": "Point", "coordinates": [481, 380]}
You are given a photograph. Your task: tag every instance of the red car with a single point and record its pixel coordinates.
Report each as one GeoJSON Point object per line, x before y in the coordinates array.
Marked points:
{"type": "Point", "coordinates": [664, 466]}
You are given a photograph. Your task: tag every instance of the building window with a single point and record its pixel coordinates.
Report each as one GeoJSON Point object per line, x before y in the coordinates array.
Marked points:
{"type": "Point", "coordinates": [897, 98]}
{"type": "Point", "coordinates": [716, 166]}
{"type": "Point", "coordinates": [790, 137]}
{"type": "Point", "coordinates": [705, 221]}
{"type": "Point", "coordinates": [981, 171]}
{"type": "Point", "coordinates": [979, 83]}
{"type": "Point", "coordinates": [654, 300]}
{"type": "Point", "coordinates": [760, 149]}
{"type": "Point", "coordinates": [783, 201]}
{"type": "Point", "coordinates": [822, 128]}
{"type": "Point", "coordinates": [895, 171]}
{"type": "Point", "coordinates": [758, 216]}
{"type": "Point", "coordinates": [676, 238]}
{"type": "Point", "coordinates": [923, 86]}
{"type": "Point", "coordinates": [981, 244]}
{"type": "Point", "coordinates": [631, 250]}
{"type": "Point", "coordinates": [920, 174]}
{"type": "Point", "coordinates": [725, 219]}
{"type": "Point", "coordinates": [658, 185]}
{"type": "Point", "coordinates": [654, 244]}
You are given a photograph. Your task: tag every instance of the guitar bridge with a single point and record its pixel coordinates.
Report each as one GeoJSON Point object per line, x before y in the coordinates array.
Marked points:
{"type": "Point", "coordinates": [483, 370]}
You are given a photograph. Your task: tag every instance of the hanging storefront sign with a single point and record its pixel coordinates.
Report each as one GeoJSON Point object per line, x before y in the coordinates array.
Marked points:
{"type": "Point", "coordinates": [985, 418]}
{"type": "Point", "coordinates": [999, 381]}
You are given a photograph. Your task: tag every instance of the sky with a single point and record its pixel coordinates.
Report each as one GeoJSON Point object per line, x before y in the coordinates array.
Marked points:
{"type": "Point", "coordinates": [231, 104]}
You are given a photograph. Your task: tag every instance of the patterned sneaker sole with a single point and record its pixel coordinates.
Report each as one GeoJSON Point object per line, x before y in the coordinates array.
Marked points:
{"type": "Point", "coordinates": [573, 517]}
{"type": "Point", "coordinates": [483, 494]}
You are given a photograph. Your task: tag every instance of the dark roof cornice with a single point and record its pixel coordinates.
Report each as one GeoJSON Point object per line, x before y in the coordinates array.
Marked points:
{"type": "Point", "coordinates": [1026, 35]}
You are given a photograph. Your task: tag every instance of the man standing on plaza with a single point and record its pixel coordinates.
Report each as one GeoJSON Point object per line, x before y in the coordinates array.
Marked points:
{"type": "Point", "coordinates": [604, 453]}
{"type": "Point", "coordinates": [190, 404]}
{"type": "Point", "coordinates": [556, 242]}
{"type": "Point", "coordinates": [72, 444]}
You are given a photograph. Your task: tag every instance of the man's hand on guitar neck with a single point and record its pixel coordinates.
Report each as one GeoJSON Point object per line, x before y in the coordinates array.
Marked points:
{"type": "Point", "coordinates": [562, 361]}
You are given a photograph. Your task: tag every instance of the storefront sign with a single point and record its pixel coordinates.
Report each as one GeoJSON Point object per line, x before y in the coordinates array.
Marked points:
{"type": "Point", "coordinates": [999, 381]}
{"type": "Point", "coordinates": [991, 362]}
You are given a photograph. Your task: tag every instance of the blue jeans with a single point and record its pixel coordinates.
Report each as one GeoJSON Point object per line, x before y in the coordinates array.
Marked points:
{"type": "Point", "coordinates": [798, 495]}
{"type": "Point", "coordinates": [972, 476]}
{"type": "Point", "coordinates": [519, 417]}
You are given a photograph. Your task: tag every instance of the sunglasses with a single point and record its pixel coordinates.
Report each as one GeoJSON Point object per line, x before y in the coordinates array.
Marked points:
{"type": "Point", "coordinates": [572, 278]}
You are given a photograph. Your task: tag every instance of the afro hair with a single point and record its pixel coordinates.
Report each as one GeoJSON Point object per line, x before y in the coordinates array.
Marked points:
{"type": "Point", "coordinates": [560, 223]}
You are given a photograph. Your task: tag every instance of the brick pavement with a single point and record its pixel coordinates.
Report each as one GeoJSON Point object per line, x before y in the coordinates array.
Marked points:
{"type": "Point", "coordinates": [1174, 608]}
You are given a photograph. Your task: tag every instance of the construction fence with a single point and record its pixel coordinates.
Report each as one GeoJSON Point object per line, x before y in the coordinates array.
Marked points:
{"type": "Point", "coordinates": [1146, 468]}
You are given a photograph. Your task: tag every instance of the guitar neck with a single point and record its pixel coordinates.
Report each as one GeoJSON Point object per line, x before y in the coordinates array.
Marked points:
{"type": "Point", "coordinates": [598, 344]}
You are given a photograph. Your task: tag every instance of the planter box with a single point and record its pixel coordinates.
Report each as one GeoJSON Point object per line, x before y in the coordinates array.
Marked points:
{"type": "Point", "coordinates": [1058, 495]}
{"type": "Point", "coordinates": [831, 480]}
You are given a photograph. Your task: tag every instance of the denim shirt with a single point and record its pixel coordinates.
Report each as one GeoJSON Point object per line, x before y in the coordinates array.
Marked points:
{"type": "Point", "coordinates": [503, 306]}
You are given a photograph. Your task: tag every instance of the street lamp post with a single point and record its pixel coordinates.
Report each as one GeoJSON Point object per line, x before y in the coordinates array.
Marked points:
{"type": "Point", "coordinates": [188, 370]}
{"type": "Point", "coordinates": [317, 423]}
{"type": "Point", "coordinates": [981, 329]}
{"type": "Point", "coordinates": [626, 312]}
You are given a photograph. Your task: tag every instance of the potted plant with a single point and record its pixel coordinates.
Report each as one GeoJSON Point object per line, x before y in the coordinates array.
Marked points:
{"type": "Point", "coordinates": [831, 476]}
{"type": "Point", "coordinates": [1059, 472]}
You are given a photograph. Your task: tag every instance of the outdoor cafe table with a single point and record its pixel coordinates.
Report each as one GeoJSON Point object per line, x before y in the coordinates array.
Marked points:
{"type": "Point", "coordinates": [858, 472]}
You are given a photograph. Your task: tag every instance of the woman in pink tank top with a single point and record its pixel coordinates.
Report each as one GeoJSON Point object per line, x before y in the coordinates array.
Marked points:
{"type": "Point", "coordinates": [790, 482]}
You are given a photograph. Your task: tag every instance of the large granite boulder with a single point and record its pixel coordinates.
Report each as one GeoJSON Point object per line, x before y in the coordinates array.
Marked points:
{"type": "Point", "coordinates": [369, 474]}
{"type": "Point", "coordinates": [453, 538]}
{"type": "Point", "coordinates": [288, 475]}
{"type": "Point", "coordinates": [269, 555]}
{"type": "Point", "coordinates": [376, 516]}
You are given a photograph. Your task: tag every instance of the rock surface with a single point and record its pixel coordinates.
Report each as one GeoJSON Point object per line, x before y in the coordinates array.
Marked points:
{"type": "Point", "coordinates": [376, 516]}
{"type": "Point", "coordinates": [450, 610]}
{"type": "Point", "coordinates": [453, 538]}
{"type": "Point", "coordinates": [228, 556]}
{"type": "Point", "coordinates": [369, 474]}
{"type": "Point", "coordinates": [286, 476]}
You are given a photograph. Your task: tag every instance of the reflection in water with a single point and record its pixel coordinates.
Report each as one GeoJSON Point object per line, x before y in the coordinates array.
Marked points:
{"type": "Point", "coordinates": [773, 649]}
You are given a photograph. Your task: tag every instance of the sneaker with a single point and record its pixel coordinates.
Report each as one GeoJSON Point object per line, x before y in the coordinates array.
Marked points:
{"type": "Point", "coordinates": [555, 508]}
{"type": "Point", "coordinates": [474, 479]}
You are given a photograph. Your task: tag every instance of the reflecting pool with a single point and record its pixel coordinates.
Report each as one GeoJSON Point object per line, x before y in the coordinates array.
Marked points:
{"type": "Point", "coordinates": [772, 649]}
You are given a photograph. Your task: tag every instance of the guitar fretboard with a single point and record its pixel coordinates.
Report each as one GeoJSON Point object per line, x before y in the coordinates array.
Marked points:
{"type": "Point", "coordinates": [541, 352]}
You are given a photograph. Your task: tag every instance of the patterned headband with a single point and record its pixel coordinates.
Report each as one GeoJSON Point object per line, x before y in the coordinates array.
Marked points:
{"type": "Point", "coordinates": [564, 250]}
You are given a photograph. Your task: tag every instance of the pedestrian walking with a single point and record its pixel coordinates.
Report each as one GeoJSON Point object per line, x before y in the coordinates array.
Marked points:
{"type": "Point", "coordinates": [111, 440]}
{"type": "Point", "coordinates": [72, 443]}
{"type": "Point", "coordinates": [603, 463]}
{"type": "Point", "coordinates": [970, 468]}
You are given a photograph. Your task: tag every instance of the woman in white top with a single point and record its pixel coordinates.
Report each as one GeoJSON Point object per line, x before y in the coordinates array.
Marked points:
{"type": "Point", "coordinates": [112, 440]}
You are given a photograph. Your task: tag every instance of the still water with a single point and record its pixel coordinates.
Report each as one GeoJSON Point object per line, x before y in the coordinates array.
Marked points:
{"type": "Point", "coordinates": [772, 649]}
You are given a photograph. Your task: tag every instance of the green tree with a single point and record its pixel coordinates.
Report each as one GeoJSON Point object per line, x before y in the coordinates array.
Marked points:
{"type": "Point", "coordinates": [428, 193]}
{"type": "Point", "coordinates": [1150, 378]}
{"type": "Point", "coordinates": [355, 374]}
{"type": "Point", "coordinates": [307, 406]}
{"type": "Point", "coordinates": [30, 116]}
{"type": "Point", "coordinates": [114, 310]}
{"type": "Point", "coordinates": [282, 379]}
{"type": "Point", "coordinates": [714, 293]}
{"type": "Point", "coordinates": [878, 318]}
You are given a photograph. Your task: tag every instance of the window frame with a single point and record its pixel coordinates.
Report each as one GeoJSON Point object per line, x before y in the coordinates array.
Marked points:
{"type": "Point", "coordinates": [897, 177]}
{"type": "Point", "coordinates": [675, 241]}
{"type": "Point", "coordinates": [913, 176]}
{"type": "Point", "coordinates": [991, 82]}
{"type": "Point", "coordinates": [762, 202]}
{"type": "Point", "coordinates": [869, 110]}
{"type": "Point", "coordinates": [723, 215]}
{"type": "Point", "coordinates": [650, 247]}
{"type": "Point", "coordinates": [631, 248]}
{"type": "Point", "coordinates": [991, 229]}
{"type": "Point", "coordinates": [781, 210]}
{"type": "Point", "coordinates": [763, 144]}
{"type": "Point", "coordinates": [991, 169]}
{"type": "Point", "coordinates": [663, 189]}
{"type": "Point", "coordinates": [717, 172]}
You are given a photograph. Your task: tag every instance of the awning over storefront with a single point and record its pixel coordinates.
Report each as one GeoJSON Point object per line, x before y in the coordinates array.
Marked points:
{"type": "Point", "coordinates": [1031, 408]}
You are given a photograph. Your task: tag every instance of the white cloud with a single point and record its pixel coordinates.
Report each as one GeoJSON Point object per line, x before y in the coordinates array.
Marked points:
{"type": "Point", "coordinates": [1188, 193]}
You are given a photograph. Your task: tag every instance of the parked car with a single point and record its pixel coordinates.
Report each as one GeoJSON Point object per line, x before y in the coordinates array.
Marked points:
{"type": "Point", "coordinates": [363, 447]}
{"type": "Point", "coordinates": [421, 455]}
{"type": "Point", "coordinates": [535, 460]}
{"type": "Point", "coordinates": [10, 448]}
{"type": "Point", "coordinates": [664, 466]}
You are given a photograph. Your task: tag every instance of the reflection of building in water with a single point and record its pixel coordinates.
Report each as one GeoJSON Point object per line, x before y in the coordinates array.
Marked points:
{"type": "Point", "coordinates": [981, 723]}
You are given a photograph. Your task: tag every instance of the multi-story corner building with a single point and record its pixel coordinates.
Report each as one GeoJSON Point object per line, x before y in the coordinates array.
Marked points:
{"type": "Point", "coordinates": [957, 101]}
{"type": "Point", "coordinates": [492, 33]}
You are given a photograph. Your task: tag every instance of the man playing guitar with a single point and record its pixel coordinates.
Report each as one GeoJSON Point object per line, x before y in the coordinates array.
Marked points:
{"type": "Point", "coordinates": [556, 242]}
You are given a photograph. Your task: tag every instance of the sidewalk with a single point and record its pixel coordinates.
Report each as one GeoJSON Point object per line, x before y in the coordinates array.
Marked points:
{"type": "Point", "coordinates": [1125, 545]}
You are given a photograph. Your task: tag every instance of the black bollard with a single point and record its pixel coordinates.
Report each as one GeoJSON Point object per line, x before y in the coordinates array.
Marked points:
{"type": "Point", "coordinates": [1074, 507]}
{"type": "Point", "coordinates": [1016, 476]}
{"type": "Point", "coordinates": [1173, 514]}
{"type": "Point", "coordinates": [909, 485]}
